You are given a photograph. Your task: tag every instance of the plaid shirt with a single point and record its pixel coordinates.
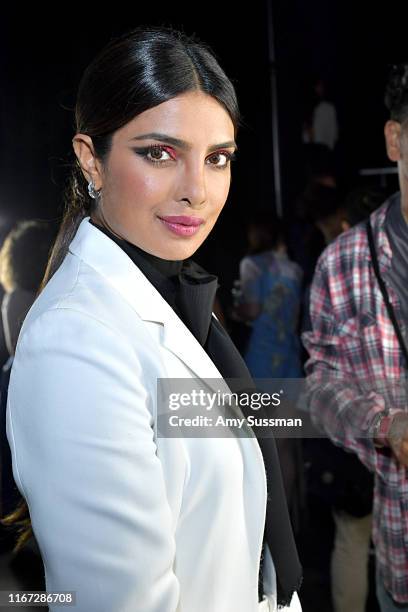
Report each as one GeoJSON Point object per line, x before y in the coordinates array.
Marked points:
{"type": "Point", "coordinates": [355, 370]}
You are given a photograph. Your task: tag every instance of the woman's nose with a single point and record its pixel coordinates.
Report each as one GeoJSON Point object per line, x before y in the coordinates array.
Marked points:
{"type": "Point", "coordinates": [193, 187]}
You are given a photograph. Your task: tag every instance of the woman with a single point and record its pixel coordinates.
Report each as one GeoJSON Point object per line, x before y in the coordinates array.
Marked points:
{"type": "Point", "coordinates": [130, 520]}
{"type": "Point", "coordinates": [23, 259]}
{"type": "Point", "coordinates": [270, 300]}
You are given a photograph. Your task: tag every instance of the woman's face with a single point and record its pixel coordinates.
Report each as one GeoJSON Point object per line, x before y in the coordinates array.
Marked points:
{"type": "Point", "coordinates": [171, 160]}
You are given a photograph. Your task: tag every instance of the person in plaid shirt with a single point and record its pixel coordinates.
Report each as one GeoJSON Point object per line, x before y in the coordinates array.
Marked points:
{"type": "Point", "coordinates": [357, 372]}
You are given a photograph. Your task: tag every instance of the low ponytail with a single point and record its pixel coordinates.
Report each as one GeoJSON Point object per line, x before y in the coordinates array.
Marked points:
{"type": "Point", "coordinates": [78, 205]}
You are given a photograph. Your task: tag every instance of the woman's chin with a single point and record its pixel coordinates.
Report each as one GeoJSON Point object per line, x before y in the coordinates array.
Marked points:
{"type": "Point", "coordinates": [177, 254]}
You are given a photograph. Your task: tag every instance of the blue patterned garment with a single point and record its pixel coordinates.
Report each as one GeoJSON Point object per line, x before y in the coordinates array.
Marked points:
{"type": "Point", "coordinates": [273, 281]}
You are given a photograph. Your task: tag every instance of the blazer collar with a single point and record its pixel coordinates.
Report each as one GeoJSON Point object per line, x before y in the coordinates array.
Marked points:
{"type": "Point", "coordinates": [113, 264]}
{"type": "Point", "coordinates": [101, 253]}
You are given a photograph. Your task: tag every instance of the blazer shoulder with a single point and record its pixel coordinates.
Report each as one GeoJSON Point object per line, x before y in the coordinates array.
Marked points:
{"type": "Point", "coordinates": [78, 288]}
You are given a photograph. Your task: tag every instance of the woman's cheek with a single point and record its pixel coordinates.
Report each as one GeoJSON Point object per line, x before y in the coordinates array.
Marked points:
{"type": "Point", "coordinates": [151, 185]}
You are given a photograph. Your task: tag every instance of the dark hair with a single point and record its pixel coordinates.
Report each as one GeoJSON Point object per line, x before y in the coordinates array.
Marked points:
{"type": "Point", "coordinates": [396, 92]}
{"type": "Point", "coordinates": [321, 202]}
{"type": "Point", "coordinates": [24, 255]}
{"type": "Point", "coordinates": [318, 162]}
{"type": "Point", "coordinates": [267, 232]}
{"type": "Point", "coordinates": [133, 73]}
{"type": "Point", "coordinates": [361, 202]}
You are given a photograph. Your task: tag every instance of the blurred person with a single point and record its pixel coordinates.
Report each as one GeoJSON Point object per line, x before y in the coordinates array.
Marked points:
{"type": "Point", "coordinates": [359, 204]}
{"type": "Point", "coordinates": [324, 206]}
{"type": "Point", "coordinates": [305, 240]}
{"type": "Point", "coordinates": [322, 127]}
{"type": "Point", "coordinates": [127, 518]}
{"type": "Point", "coordinates": [270, 285]}
{"type": "Point", "coordinates": [23, 259]}
{"type": "Point", "coordinates": [319, 166]}
{"type": "Point", "coordinates": [353, 483]}
{"type": "Point", "coordinates": [269, 301]}
{"type": "Point", "coordinates": [358, 366]}
{"type": "Point", "coordinates": [349, 488]}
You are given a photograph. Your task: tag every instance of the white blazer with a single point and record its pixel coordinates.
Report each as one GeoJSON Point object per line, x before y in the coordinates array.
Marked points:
{"type": "Point", "coordinates": [130, 521]}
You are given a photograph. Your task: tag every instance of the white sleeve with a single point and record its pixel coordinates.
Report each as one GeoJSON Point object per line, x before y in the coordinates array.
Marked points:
{"type": "Point", "coordinates": [84, 456]}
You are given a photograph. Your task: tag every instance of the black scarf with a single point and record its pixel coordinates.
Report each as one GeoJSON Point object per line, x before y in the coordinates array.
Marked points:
{"type": "Point", "coordinates": [190, 291]}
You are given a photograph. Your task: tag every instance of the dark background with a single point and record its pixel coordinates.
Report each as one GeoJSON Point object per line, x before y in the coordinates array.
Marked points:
{"type": "Point", "coordinates": [351, 44]}
{"type": "Point", "coordinates": [43, 54]}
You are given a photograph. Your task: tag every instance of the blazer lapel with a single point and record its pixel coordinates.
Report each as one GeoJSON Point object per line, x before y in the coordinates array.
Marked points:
{"type": "Point", "coordinates": [109, 260]}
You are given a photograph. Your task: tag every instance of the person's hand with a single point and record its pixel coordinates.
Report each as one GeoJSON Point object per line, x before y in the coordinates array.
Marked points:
{"type": "Point", "coordinates": [398, 437]}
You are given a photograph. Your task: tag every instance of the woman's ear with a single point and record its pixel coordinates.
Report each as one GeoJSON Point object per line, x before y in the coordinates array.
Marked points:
{"type": "Point", "coordinates": [90, 166]}
{"type": "Point", "coordinates": [392, 132]}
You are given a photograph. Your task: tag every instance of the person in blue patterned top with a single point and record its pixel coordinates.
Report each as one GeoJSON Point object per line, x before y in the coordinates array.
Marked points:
{"type": "Point", "coordinates": [270, 286]}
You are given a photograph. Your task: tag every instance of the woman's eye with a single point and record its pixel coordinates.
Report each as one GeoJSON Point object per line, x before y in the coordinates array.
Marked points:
{"type": "Point", "coordinates": [221, 159]}
{"type": "Point", "coordinates": [159, 154]}
{"type": "Point", "coordinates": [155, 154]}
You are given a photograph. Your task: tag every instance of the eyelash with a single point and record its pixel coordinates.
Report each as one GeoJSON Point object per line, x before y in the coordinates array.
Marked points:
{"type": "Point", "coordinates": [145, 151]}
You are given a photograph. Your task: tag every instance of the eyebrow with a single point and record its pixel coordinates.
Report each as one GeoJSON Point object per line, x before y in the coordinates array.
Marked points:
{"type": "Point", "coordinates": [182, 144]}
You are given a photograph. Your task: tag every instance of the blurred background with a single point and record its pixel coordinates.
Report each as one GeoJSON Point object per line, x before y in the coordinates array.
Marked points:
{"type": "Point", "coordinates": [284, 57]}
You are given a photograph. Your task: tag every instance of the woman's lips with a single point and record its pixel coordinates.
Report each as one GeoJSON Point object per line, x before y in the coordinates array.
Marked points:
{"type": "Point", "coordinates": [182, 225]}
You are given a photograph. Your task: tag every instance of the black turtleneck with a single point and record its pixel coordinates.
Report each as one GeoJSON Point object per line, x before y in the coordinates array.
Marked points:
{"type": "Point", "coordinates": [185, 285]}
{"type": "Point", "coordinates": [190, 291]}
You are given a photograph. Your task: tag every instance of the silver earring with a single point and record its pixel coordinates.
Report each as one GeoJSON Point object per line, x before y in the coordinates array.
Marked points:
{"type": "Point", "coordinates": [93, 193]}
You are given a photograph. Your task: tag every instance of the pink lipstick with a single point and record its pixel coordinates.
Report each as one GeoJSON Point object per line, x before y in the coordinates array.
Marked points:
{"type": "Point", "coordinates": [182, 225]}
